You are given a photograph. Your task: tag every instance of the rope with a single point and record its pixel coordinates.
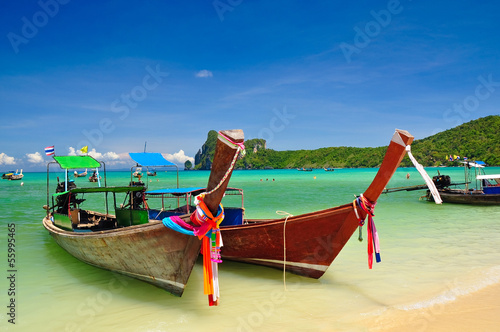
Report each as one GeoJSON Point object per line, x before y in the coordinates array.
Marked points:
{"type": "Point", "coordinates": [284, 213]}
{"type": "Point", "coordinates": [240, 147]}
{"type": "Point", "coordinates": [373, 239]}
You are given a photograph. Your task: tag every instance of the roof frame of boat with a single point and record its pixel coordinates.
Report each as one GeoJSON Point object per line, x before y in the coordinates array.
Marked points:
{"type": "Point", "coordinates": [188, 192]}
{"type": "Point", "coordinates": [488, 176]}
{"type": "Point", "coordinates": [74, 162]}
{"type": "Point", "coordinates": [150, 159]}
{"type": "Point", "coordinates": [477, 163]}
{"type": "Point", "coordinates": [121, 189]}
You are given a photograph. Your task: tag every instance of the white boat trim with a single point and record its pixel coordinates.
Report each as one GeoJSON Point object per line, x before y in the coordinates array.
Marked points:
{"type": "Point", "coordinates": [315, 267]}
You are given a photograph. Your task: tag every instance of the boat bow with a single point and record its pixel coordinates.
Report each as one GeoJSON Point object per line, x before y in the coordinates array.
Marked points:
{"type": "Point", "coordinates": [307, 244]}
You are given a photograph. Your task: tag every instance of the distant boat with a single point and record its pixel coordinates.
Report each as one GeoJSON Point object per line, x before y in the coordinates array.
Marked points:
{"type": "Point", "coordinates": [151, 173]}
{"type": "Point", "coordinates": [305, 169]}
{"type": "Point", "coordinates": [137, 173]}
{"type": "Point", "coordinates": [485, 191]}
{"type": "Point", "coordinates": [16, 175]}
{"type": "Point", "coordinates": [328, 169]}
{"type": "Point", "coordinates": [79, 175]}
{"type": "Point", "coordinates": [6, 176]}
{"type": "Point", "coordinates": [95, 177]}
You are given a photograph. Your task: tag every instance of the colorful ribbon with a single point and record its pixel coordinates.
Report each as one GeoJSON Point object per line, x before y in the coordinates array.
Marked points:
{"type": "Point", "coordinates": [373, 239]}
{"type": "Point", "coordinates": [206, 228]}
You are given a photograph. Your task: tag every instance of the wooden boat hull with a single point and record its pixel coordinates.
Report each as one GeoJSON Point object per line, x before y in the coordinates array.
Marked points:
{"type": "Point", "coordinates": [150, 252]}
{"type": "Point", "coordinates": [476, 197]}
{"type": "Point", "coordinates": [305, 245]}
{"type": "Point", "coordinates": [129, 242]}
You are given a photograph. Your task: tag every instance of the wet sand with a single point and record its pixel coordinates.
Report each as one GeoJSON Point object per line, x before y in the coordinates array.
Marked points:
{"type": "Point", "coordinates": [479, 311]}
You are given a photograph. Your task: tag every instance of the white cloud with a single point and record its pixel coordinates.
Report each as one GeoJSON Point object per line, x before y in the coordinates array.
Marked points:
{"type": "Point", "coordinates": [204, 73]}
{"type": "Point", "coordinates": [108, 156]}
{"type": "Point", "coordinates": [178, 157]}
{"type": "Point", "coordinates": [6, 160]}
{"type": "Point", "coordinates": [35, 158]}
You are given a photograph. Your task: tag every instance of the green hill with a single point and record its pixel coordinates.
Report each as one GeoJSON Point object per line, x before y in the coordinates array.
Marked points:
{"type": "Point", "coordinates": [478, 140]}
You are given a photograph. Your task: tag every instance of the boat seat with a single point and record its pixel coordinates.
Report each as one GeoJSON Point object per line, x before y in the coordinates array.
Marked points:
{"type": "Point", "coordinates": [75, 216]}
{"type": "Point", "coordinates": [129, 217]}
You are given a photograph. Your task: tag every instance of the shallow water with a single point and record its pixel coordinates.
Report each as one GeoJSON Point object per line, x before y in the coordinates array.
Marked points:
{"type": "Point", "coordinates": [431, 254]}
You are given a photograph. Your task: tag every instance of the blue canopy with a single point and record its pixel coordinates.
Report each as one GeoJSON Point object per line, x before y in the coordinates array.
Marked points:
{"type": "Point", "coordinates": [149, 159]}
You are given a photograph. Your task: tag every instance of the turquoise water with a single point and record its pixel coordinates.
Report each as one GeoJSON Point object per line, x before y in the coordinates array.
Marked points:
{"type": "Point", "coordinates": [431, 254]}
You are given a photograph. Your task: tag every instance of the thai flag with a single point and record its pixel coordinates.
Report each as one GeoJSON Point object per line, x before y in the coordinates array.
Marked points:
{"type": "Point", "coordinates": [49, 150]}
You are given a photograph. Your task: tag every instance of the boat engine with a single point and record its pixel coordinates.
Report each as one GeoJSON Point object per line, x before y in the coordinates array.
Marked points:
{"type": "Point", "coordinates": [138, 200]}
{"type": "Point", "coordinates": [441, 181]}
{"type": "Point", "coordinates": [63, 199]}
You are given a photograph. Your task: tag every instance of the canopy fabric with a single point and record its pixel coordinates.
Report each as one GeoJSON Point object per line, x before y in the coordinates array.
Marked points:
{"type": "Point", "coordinates": [73, 162]}
{"type": "Point", "coordinates": [148, 159]}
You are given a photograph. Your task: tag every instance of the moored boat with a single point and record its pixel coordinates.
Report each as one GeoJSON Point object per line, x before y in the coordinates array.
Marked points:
{"type": "Point", "coordinates": [6, 176]}
{"type": "Point", "coordinates": [484, 191]}
{"type": "Point", "coordinates": [127, 241]}
{"type": "Point", "coordinates": [17, 175]}
{"type": "Point", "coordinates": [79, 175]}
{"type": "Point", "coordinates": [307, 244]}
{"type": "Point", "coordinates": [304, 244]}
{"type": "Point", "coordinates": [95, 177]}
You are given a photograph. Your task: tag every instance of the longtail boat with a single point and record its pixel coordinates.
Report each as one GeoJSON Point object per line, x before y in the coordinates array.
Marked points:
{"type": "Point", "coordinates": [307, 244]}
{"type": "Point", "coordinates": [304, 244]}
{"type": "Point", "coordinates": [79, 175]}
{"type": "Point", "coordinates": [480, 188]}
{"type": "Point", "coordinates": [14, 175]}
{"type": "Point", "coordinates": [128, 242]}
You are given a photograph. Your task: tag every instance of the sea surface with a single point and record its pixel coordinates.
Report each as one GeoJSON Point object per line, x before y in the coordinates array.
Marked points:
{"type": "Point", "coordinates": [431, 255]}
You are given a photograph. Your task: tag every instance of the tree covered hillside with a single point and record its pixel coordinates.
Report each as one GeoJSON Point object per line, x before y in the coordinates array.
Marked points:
{"type": "Point", "coordinates": [477, 140]}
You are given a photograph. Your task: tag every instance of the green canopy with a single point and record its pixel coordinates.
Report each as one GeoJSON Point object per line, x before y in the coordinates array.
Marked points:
{"type": "Point", "coordinates": [73, 162]}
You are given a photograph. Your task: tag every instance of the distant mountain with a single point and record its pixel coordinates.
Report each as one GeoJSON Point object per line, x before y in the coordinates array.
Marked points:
{"type": "Point", "coordinates": [477, 140]}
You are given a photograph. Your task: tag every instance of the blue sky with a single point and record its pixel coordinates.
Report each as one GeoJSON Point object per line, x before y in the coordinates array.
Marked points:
{"type": "Point", "coordinates": [302, 75]}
